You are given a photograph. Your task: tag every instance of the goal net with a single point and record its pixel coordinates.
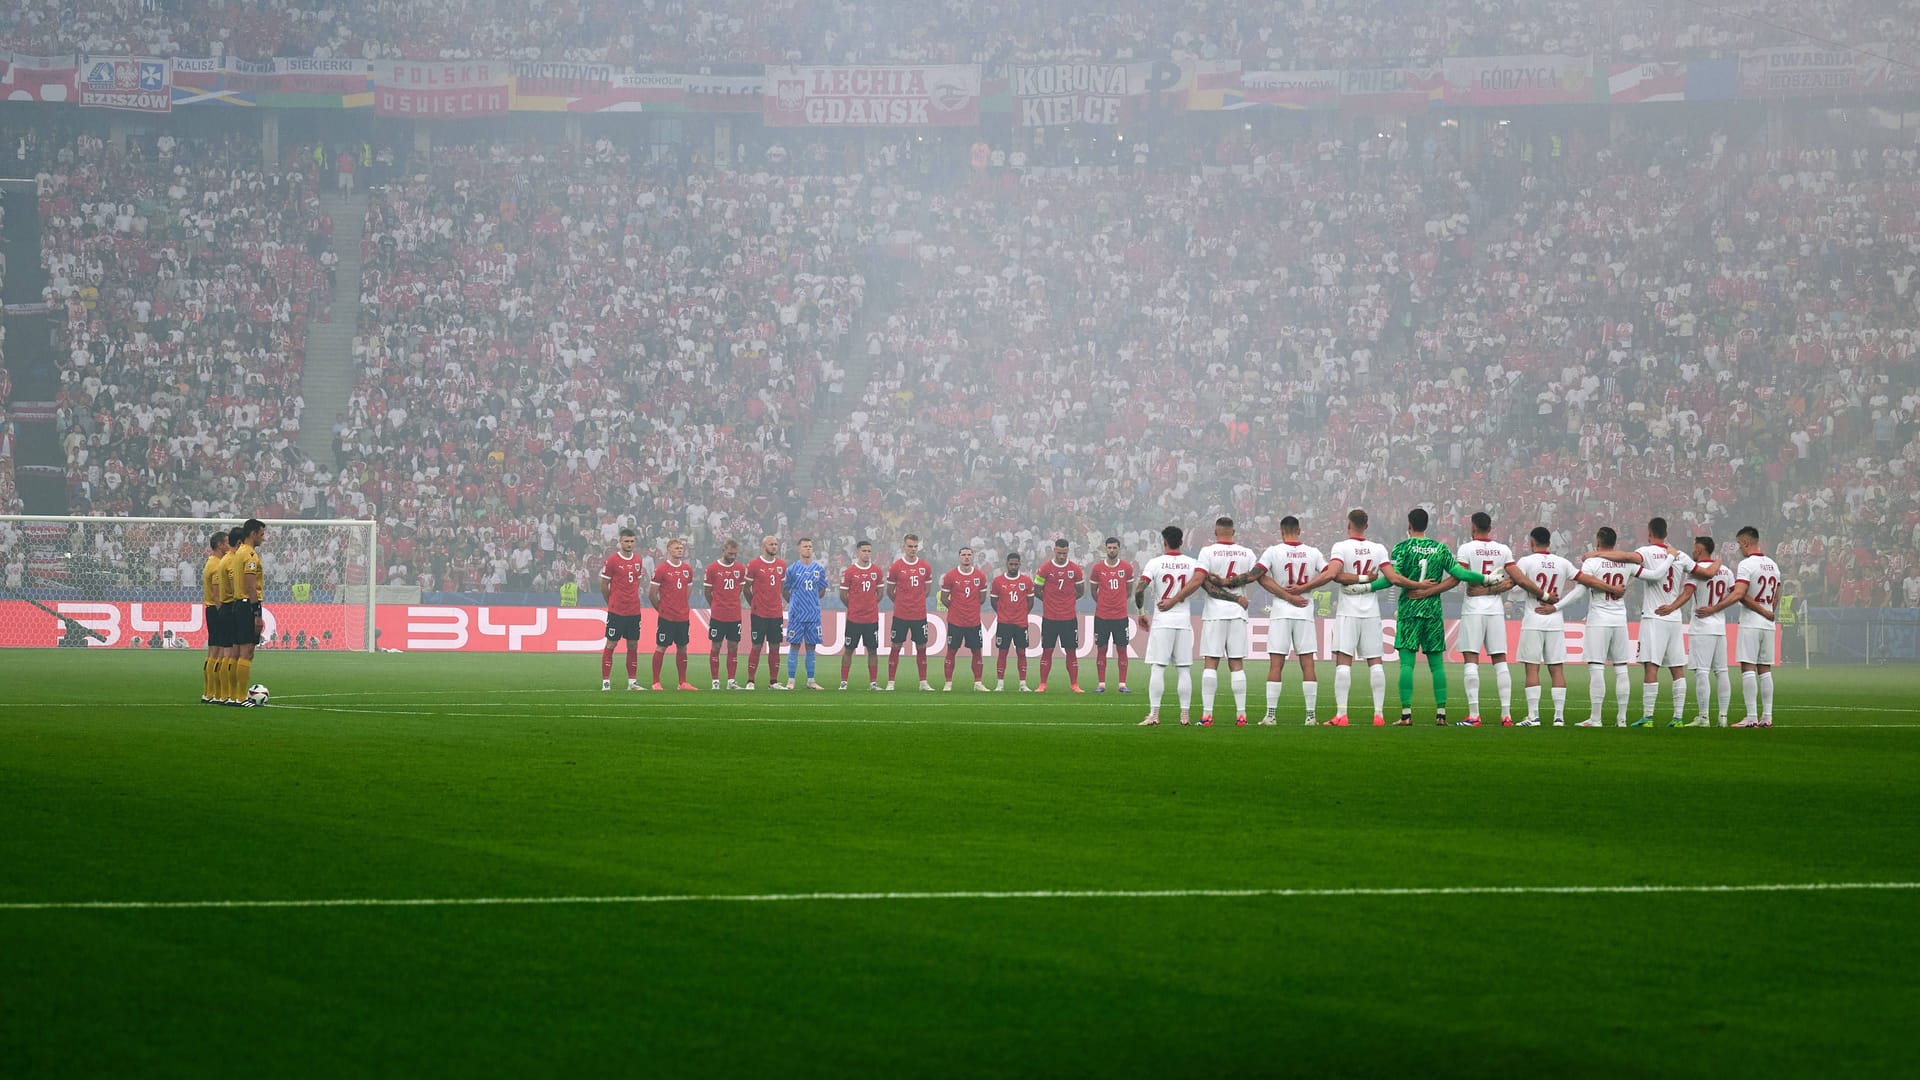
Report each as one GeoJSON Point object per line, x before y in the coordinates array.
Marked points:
{"type": "Point", "coordinates": [126, 583]}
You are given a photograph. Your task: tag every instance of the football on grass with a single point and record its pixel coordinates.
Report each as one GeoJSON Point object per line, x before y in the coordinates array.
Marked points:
{"type": "Point", "coordinates": [257, 693]}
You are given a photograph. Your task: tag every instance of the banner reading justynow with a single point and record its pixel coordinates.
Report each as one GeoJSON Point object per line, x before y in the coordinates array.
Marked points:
{"type": "Point", "coordinates": [441, 91]}
{"type": "Point", "coordinates": [907, 95]}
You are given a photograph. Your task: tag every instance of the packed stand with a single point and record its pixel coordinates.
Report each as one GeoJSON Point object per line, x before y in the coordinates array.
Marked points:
{"type": "Point", "coordinates": [550, 341]}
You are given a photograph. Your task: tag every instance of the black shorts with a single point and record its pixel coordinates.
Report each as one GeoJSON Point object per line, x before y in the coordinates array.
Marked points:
{"type": "Point", "coordinates": [242, 631]}
{"type": "Point", "coordinates": [910, 628]}
{"type": "Point", "coordinates": [1109, 631]}
{"type": "Point", "coordinates": [963, 637]}
{"type": "Point", "coordinates": [766, 631]}
{"type": "Point", "coordinates": [724, 631]}
{"type": "Point", "coordinates": [863, 633]}
{"type": "Point", "coordinates": [216, 626]}
{"type": "Point", "coordinates": [623, 627]}
{"type": "Point", "coordinates": [1010, 636]}
{"type": "Point", "coordinates": [1060, 633]}
{"type": "Point", "coordinates": [670, 632]}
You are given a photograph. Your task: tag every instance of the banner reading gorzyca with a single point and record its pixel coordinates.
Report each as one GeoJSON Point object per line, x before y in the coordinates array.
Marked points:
{"type": "Point", "coordinates": [130, 83]}
{"type": "Point", "coordinates": [1519, 80]}
{"type": "Point", "coordinates": [441, 91]}
{"type": "Point", "coordinates": [907, 95]}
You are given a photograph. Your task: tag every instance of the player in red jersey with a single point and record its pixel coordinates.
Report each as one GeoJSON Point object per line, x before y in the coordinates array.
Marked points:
{"type": "Point", "coordinates": [1012, 594]}
{"type": "Point", "coordinates": [908, 580]}
{"type": "Point", "coordinates": [620, 588]}
{"type": "Point", "coordinates": [860, 586]}
{"type": "Point", "coordinates": [961, 591]}
{"type": "Point", "coordinates": [1111, 580]}
{"type": "Point", "coordinates": [768, 608]}
{"type": "Point", "coordinates": [1061, 582]}
{"type": "Point", "coordinates": [723, 583]}
{"type": "Point", "coordinates": [672, 582]}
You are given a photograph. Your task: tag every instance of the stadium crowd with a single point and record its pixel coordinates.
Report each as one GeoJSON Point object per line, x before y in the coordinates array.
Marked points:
{"type": "Point", "coordinates": [694, 32]}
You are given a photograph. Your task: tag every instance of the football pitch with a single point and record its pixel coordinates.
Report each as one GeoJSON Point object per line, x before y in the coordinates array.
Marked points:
{"type": "Point", "coordinates": [429, 864]}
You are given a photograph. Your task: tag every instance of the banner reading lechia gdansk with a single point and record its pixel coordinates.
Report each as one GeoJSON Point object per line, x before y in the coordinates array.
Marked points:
{"type": "Point", "coordinates": [904, 95]}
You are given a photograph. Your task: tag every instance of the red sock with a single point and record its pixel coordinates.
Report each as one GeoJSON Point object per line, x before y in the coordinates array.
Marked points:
{"type": "Point", "coordinates": [951, 657]}
{"type": "Point", "coordinates": [753, 659]}
{"type": "Point", "coordinates": [1046, 664]}
{"type": "Point", "coordinates": [633, 660]}
{"type": "Point", "coordinates": [893, 663]}
{"type": "Point", "coordinates": [680, 661]}
{"type": "Point", "coordinates": [713, 664]}
{"type": "Point", "coordinates": [1100, 665]}
{"type": "Point", "coordinates": [606, 663]}
{"type": "Point", "coordinates": [1000, 666]}
{"type": "Point", "coordinates": [979, 665]}
{"type": "Point", "coordinates": [921, 656]}
{"type": "Point", "coordinates": [1022, 658]}
{"type": "Point", "coordinates": [657, 657]}
{"type": "Point", "coordinates": [1073, 668]}
{"type": "Point", "coordinates": [846, 665]}
{"type": "Point", "coordinates": [733, 659]}
{"type": "Point", "coordinates": [1120, 657]}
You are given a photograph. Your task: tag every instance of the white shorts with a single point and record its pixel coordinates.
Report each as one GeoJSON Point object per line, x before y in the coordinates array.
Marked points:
{"type": "Point", "coordinates": [1223, 639]}
{"type": "Point", "coordinates": [1543, 646]}
{"type": "Point", "coordinates": [1170, 645]}
{"type": "Point", "coordinates": [1660, 643]}
{"type": "Point", "coordinates": [1607, 645]}
{"type": "Point", "coordinates": [1357, 636]}
{"type": "Point", "coordinates": [1297, 637]}
{"type": "Point", "coordinates": [1755, 645]}
{"type": "Point", "coordinates": [1708, 652]}
{"type": "Point", "coordinates": [1483, 633]}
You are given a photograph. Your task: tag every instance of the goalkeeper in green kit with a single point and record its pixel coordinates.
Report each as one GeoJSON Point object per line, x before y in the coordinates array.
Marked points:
{"type": "Point", "coordinates": [1418, 623]}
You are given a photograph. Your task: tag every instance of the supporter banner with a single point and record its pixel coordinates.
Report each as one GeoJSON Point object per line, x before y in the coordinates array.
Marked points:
{"type": "Point", "coordinates": [1634, 84]}
{"type": "Point", "coordinates": [945, 95]}
{"type": "Point", "coordinates": [1795, 71]}
{"type": "Point", "coordinates": [297, 76]}
{"type": "Point", "coordinates": [441, 91]}
{"type": "Point", "coordinates": [724, 93]}
{"type": "Point", "coordinates": [130, 83]}
{"type": "Point", "coordinates": [1045, 95]}
{"type": "Point", "coordinates": [1181, 85]}
{"type": "Point", "coordinates": [470, 628]}
{"type": "Point", "coordinates": [221, 80]}
{"type": "Point", "coordinates": [1391, 89]}
{"type": "Point", "coordinates": [1285, 90]}
{"type": "Point", "coordinates": [38, 78]}
{"type": "Point", "coordinates": [1519, 80]}
{"type": "Point", "coordinates": [594, 88]}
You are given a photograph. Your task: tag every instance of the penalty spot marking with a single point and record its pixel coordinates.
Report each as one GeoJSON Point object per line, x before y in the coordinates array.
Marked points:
{"type": "Point", "coordinates": [1026, 894]}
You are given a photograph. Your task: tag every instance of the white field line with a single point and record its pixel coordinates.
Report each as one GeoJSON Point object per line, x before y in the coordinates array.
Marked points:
{"type": "Point", "coordinates": [1024, 894]}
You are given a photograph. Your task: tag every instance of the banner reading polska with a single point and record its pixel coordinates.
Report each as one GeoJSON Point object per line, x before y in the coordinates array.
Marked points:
{"type": "Point", "coordinates": [130, 83]}
{"type": "Point", "coordinates": [441, 91]}
{"type": "Point", "coordinates": [1049, 94]}
{"type": "Point", "coordinates": [909, 95]}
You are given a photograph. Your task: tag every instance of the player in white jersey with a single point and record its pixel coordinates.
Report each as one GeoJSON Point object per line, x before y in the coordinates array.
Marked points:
{"type": "Point", "coordinates": [1291, 570]}
{"type": "Point", "coordinates": [1756, 588]}
{"type": "Point", "coordinates": [1170, 578]}
{"type": "Point", "coordinates": [1707, 640]}
{"type": "Point", "coordinates": [1483, 617]}
{"type": "Point", "coordinates": [1605, 574]}
{"type": "Point", "coordinates": [1665, 571]}
{"type": "Point", "coordinates": [1542, 630]}
{"type": "Point", "coordinates": [1223, 619]}
{"type": "Point", "coordinates": [1357, 563]}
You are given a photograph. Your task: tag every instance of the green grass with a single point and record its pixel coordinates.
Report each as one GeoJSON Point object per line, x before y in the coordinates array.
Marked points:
{"type": "Point", "coordinates": [459, 777]}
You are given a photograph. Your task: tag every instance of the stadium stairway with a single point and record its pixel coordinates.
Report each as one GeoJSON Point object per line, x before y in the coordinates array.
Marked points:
{"type": "Point", "coordinates": [327, 377]}
{"type": "Point", "coordinates": [883, 273]}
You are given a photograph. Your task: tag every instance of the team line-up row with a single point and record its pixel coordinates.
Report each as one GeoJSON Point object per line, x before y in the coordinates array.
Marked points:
{"type": "Point", "coordinates": [783, 603]}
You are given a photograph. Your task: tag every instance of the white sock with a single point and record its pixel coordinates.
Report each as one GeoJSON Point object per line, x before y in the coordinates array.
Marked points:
{"type": "Point", "coordinates": [1312, 691]}
{"type": "Point", "coordinates": [1342, 682]}
{"type": "Point", "coordinates": [1503, 684]}
{"type": "Point", "coordinates": [1273, 696]}
{"type": "Point", "coordinates": [1186, 687]}
{"type": "Point", "coordinates": [1766, 694]}
{"type": "Point", "coordinates": [1597, 689]}
{"type": "Point", "coordinates": [1649, 697]}
{"type": "Point", "coordinates": [1156, 686]}
{"type": "Point", "coordinates": [1209, 684]}
{"type": "Point", "coordinates": [1238, 681]}
{"type": "Point", "coordinates": [1470, 682]}
{"type": "Point", "coordinates": [1703, 693]}
{"type": "Point", "coordinates": [1679, 696]}
{"type": "Point", "coordinates": [1750, 692]}
{"type": "Point", "coordinates": [1533, 702]}
{"type": "Point", "coordinates": [1726, 695]}
{"type": "Point", "coordinates": [1377, 682]}
{"type": "Point", "coordinates": [1621, 687]}
{"type": "Point", "coordinates": [1559, 703]}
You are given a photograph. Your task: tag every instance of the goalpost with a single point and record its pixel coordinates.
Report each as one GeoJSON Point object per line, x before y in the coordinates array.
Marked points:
{"type": "Point", "coordinates": [135, 582]}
